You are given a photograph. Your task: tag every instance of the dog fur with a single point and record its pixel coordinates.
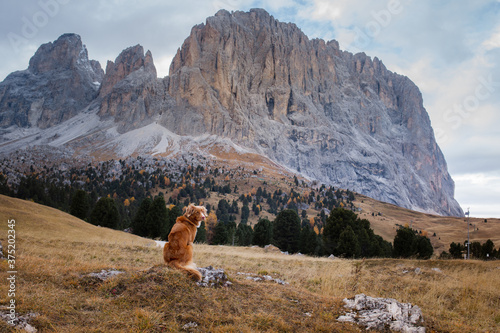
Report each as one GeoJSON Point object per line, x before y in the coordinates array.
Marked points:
{"type": "Point", "coordinates": [178, 251]}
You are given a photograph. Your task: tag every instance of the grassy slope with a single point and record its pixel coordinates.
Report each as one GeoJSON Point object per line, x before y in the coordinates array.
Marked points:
{"type": "Point", "coordinates": [54, 250]}
{"type": "Point", "coordinates": [447, 229]}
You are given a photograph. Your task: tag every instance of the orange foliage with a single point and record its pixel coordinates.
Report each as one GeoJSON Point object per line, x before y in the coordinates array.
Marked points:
{"type": "Point", "coordinates": [210, 223]}
{"type": "Point", "coordinates": [316, 230]}
{"type": "Point", "coordinates": [126, 202]}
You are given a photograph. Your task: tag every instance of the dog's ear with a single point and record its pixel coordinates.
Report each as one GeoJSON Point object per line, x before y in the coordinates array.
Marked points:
{"type": "Point", "coordinates": [189, 210]}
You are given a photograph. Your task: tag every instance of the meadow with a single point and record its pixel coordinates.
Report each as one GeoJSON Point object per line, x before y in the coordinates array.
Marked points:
{"type": "Point", "coordinates": [56, 251]}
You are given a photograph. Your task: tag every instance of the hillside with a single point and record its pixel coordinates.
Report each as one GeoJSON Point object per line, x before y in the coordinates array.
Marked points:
{"type": "Point", "coordinates": [53, 259]}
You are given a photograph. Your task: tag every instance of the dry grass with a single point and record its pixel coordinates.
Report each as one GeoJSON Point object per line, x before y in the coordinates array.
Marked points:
{"type": "Point", "coordinates": [55, 250]}
{"type": "Point", "coordinates": [447, 229]}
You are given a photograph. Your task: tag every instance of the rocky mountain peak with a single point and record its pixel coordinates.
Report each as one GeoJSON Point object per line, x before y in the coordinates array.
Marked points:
{"type": "Point", "coordinates": [59, 82]}
{"type": "Point", "coordinates": [338, 117]}
{"type": "Point", "coordinates": [128, 61]}
{"type": "Point", "coordinates": [65, 53]}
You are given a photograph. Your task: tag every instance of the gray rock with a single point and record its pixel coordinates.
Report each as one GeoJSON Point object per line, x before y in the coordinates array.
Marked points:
{"type": "Point", "coordinates": [21, 322]}
{"type": "Point", "coordinates": [383, 313]}
{"type": "Point", "coordinates": [213, 277]}
{"type": "Point", "coordinates": [103, 275]}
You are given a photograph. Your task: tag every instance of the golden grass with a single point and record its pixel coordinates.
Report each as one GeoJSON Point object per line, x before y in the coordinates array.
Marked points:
{"type": "Point", "coordinates": [54, 256]}
{"type": "Point", "coordinates": [448, 229]}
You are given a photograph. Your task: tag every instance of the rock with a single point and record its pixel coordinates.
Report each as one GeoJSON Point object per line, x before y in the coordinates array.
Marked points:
{"type": "Point", "coordinates": [20, 321]}
{"type": "Point", "coordinates": [383, 314]}
{"type": "Point", "coordinates": [189, 325]}
{"type": "Point", "coordinates": [1, 251]}
{"type": "Point", "coordinates": [437, 270]}
{"type": "Point", "coordinates": [418, 270]}
{"type": "Point", "coordinates": [258, 278]}
{"type": "Point", "coordinates": [213, 277]}
{"type": "Point", "coordinates": [105, 274]}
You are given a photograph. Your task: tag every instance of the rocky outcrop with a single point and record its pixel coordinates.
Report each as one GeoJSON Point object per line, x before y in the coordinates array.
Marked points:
{"type": "Point", "coordinates": [59, 82]}
{"type": "Point", "coordinates": [130, 92]}
{"type": "Point", "coordinates": [382, 314]}
{"type": "Point", "coordinates": [331, 115]}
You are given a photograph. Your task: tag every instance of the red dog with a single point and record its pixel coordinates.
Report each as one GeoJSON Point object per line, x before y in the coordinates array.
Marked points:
{"type": "Point", "coordinates": [178, 251]}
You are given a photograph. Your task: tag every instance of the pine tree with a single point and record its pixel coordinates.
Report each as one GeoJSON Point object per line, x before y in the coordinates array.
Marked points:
{"type": "Point", "coordinates": [263, 233]}
{"type": "Point", "coordinates": [244, 235]}
{"type": "Point", "coordinates": [348, 244]}
{"type": "Point", "coordinates": [156, 219]}
{"type": "Point", "coordinates": [139, 226]}
{"type": "Point", "coordinates": [405, 244]}
{"type": "Point", "coordinates": [172, 214]}
{"type": "Point", "coordinates": [286, 231]}
{"type": "Point", "coordinates": [201, 234]}
{"type": "Point", "coordinates": [424, 247]}
{"type": "Point", "coordinates": [105, 213]}
{"type": "Point", "coordinates": [80, 205]}
{"type": "Point", "coordinates": [220, 234]}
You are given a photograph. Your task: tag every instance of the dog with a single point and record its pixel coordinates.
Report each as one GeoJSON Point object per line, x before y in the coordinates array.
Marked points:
{"type": "Point", "coordinates": [178, 251]}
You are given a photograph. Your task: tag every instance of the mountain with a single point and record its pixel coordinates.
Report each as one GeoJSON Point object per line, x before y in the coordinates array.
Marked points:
{"type": "Point", "coordinates": [59, 82]}
{"type": "Point", "coordinates": [242, 82]}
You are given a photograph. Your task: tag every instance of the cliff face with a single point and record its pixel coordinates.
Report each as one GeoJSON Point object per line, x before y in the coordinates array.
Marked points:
{"type": "Point", "coordinates": [329, 114]}
{"type": "Point", "coordinates": [59, 82]}
{"type": "Point", "coordinates": [131, 93]}
{"type": "Point", "coordinates": [340, 118]}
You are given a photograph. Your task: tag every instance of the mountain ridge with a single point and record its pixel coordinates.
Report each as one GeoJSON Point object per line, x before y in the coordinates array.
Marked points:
{"type": "Point", "coordinates": [263, 85]}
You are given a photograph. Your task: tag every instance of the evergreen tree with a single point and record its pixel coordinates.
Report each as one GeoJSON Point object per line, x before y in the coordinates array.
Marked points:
{"type": "Point", "coordinates": [244, 235]}
{"type": "Point", "coordinates": [201, 234]}
{"type": "Point", "coordinates": [405, 244]}
{"type": "Point", "coordinates": [105, 213]}
{"type": "Point", "coordinates": [424, 247]}
{"type": "Point", "coordinates": [286, 231]}
{"type": "Point", "coordinates": [263, 233]}
{"type": "Point", "coordinates": [456, 250]}
{"type": "Point", "coordinates": [220, 234]}
{"type": "Point", "coordinates": [139, 226]}
{"type": "Point", "coordinates": [488, 249]}
{"type": "Point", "coordinates": [348, 244]}
{"type": "Point", "coordinates": [245, 213]}
{"type": "Point", "coordinates": [80, 205]}
{"type": "Point", "coordinates": [172, 215]}
{"type": "Point", "coordinates": [156, 219]}
{"type": "Point", "coordinates": [308, 241]}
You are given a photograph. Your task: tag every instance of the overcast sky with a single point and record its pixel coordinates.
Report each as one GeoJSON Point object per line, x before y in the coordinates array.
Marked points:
{"type": "Point", "coordinates": [450, 49]}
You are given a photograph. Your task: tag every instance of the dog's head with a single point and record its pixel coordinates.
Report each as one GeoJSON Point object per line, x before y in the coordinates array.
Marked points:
{"type": "Point", "coordinates": [195, 214]}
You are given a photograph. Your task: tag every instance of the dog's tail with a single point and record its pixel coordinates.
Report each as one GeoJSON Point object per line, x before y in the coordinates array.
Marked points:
{"type": "Point", "coordinates": [190, 269]}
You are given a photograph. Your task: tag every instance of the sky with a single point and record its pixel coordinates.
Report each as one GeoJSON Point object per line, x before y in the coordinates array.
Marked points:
{"type": "Point", "coordinates": [450, 49]}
